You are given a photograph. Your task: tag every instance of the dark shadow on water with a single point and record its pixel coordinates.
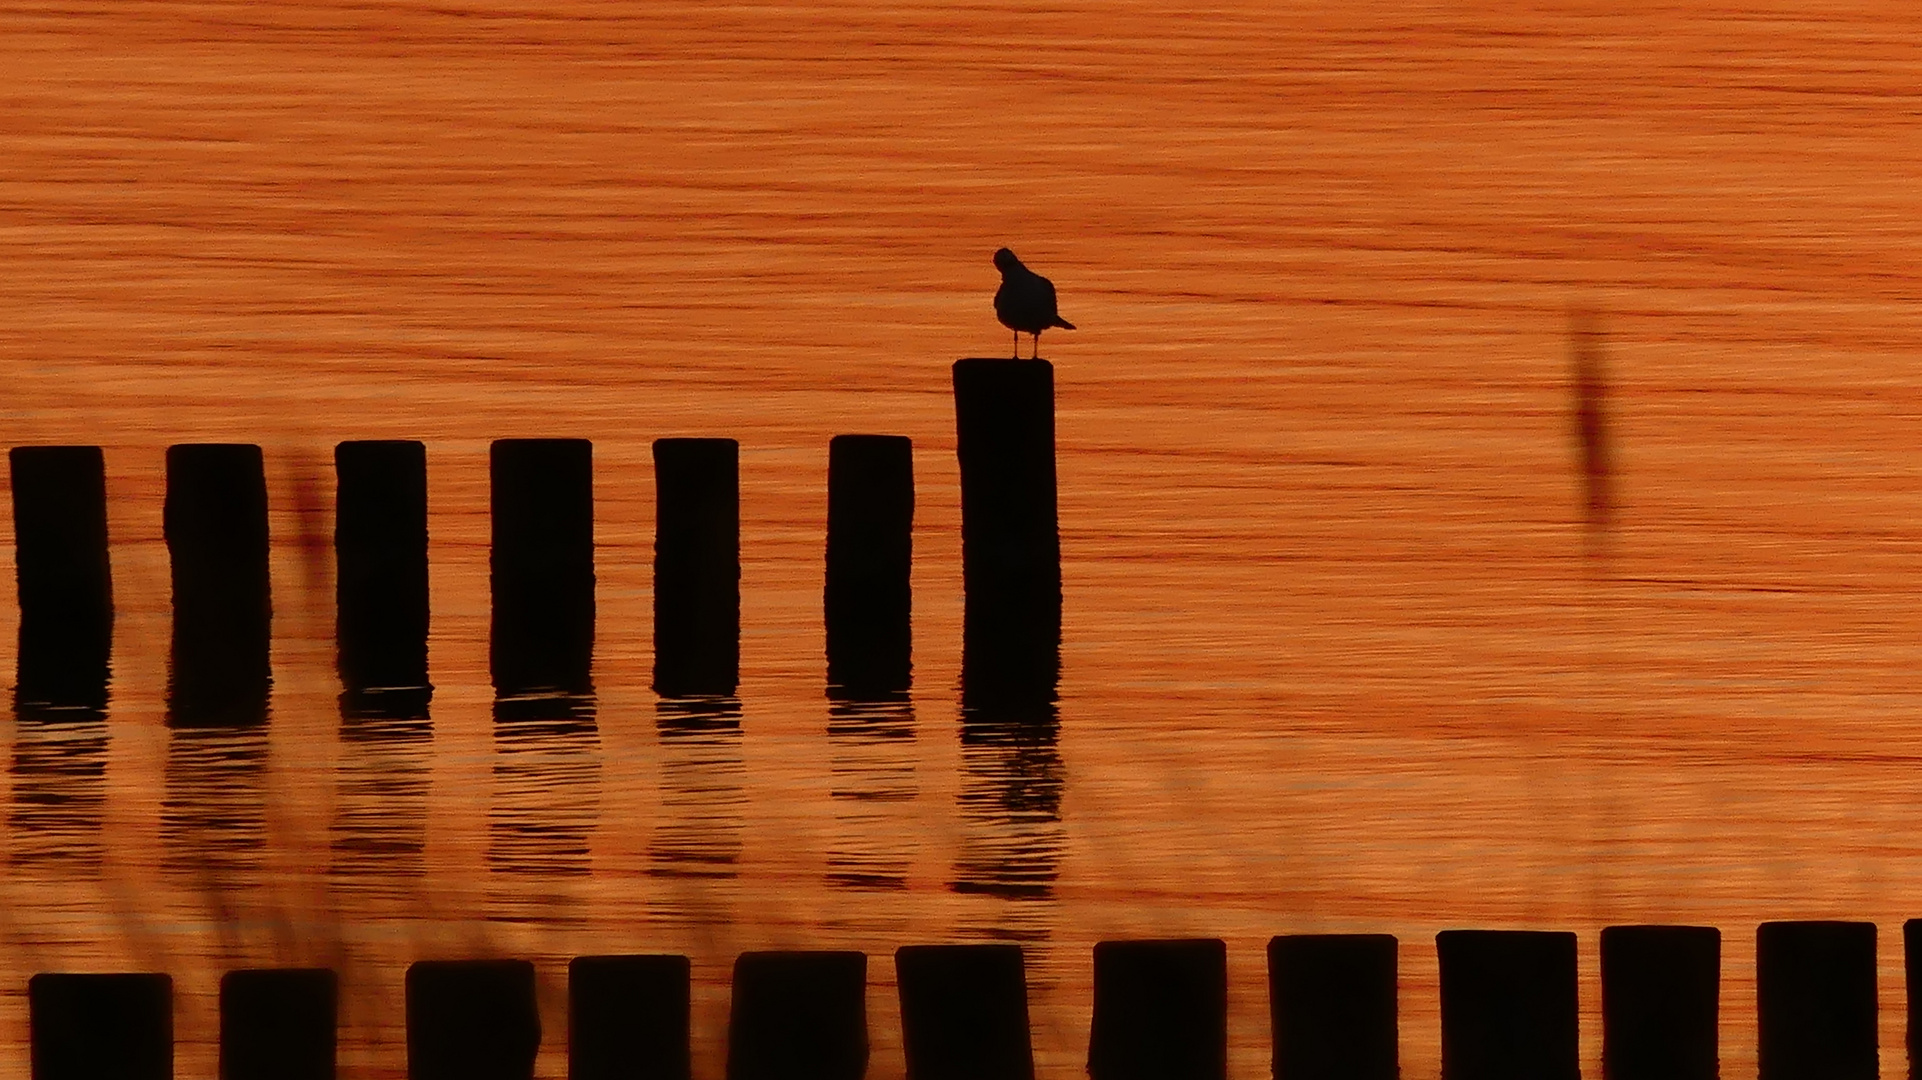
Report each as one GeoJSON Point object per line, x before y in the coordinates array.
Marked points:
{"type": "Point", "coordinates": [378, 838]}
{"type": "Point", "coordinates": [703, 789]}
{"type": "Point", "coordinates": [59, 773]}
{"type": "Point", "coordinates": [213, 824]}
{"type": "Point", "coordinates": [873, 758]}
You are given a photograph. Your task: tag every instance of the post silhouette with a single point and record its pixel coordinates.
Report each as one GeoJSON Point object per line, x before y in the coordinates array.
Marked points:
{"type": "Point", "coordinates": [1660, 995]}
{"type": "Point", "coordinates": [1331, 1000]}
{"type": "Point", "coordinates": [65, 581]}
{"type": "Point", "coordinates": [870, 547]}
{"type": "Point", "coordinates": [1160, 1010]}
{"type": "Point", "coordinates": [380, 589]}
{"type": "Point", "coordinates": [541, 570]}
{"type": "Point", "coordinates": [216, 530]}
{"type": "Point", "coordinates": [697, 567]}
{"type": "Point", "coordinates": [1010, 536]}
{"type": "Point", "coordinates": [628, 1017]}
{"type": "Point", "coordinates": [1508, 1005]}
{"type": "Point", "coordinates": [1815, 1000]}
{"type": "Point", "coordinates": [471, 1020]}
{"type": "Point", "coordinates": [798, 1014]}
{"type": "Point", "coordinates": [964, 1012]}
{"type": "Point", "coordinates": [277, 1024]}
{"type": "Point", "coordinates": [90, 1027]}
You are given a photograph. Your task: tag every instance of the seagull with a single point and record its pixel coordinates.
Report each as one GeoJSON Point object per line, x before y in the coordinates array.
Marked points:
{"type": "Point", "coordinates": [1025, 301]}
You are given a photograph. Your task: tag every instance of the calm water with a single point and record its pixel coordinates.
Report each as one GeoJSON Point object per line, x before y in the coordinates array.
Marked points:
{"type": "Point", "coordinates": [1338, 655]}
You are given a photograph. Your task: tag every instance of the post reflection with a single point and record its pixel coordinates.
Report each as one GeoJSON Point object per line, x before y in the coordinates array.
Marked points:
{"type": "Point", "coordinates": [378, 838]}
{"type": "Point", "coordinates": [1012, 778]}
{"type": "Point", "coordinates": [213, 824]}
{"type": "Point", "coordinates": [59, 773]}
{"type": "Point", "coordinates": [703, 789]}
{"type": "Point", "coordinates": [871, 742]}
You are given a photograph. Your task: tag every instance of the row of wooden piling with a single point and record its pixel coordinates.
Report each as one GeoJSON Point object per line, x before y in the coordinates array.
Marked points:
{"type": "Point", "coordinates": [542, 563]}
{"type": "Point", "coordinates": [1508, 1011]}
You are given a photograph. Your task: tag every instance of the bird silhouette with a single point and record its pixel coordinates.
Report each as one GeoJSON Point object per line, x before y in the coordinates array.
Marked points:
{"type": "Point", "coordinates": [1025, 301]}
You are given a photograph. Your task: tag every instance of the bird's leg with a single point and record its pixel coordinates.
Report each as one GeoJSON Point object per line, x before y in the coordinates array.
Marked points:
{"type": "Point", "coordinates": [1036, 355]}
{"type": "Point", "coordinates": [1017, 344]}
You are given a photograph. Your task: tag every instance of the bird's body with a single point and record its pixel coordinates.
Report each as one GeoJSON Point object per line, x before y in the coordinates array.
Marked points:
{"type": "Point", "coordinates": [1025, 302]}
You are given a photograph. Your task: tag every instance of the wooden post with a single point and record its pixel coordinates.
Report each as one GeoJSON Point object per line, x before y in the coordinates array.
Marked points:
{"type": "Point", "coordinates": [1508, 1005]}
{"type": "Point", "coordinates": [697, 567]}
{"type": "Point", "coordinates": [868, 599]}
{"type": "Point", "coordinates": [542, 567]}
{"type": "Point", "coordinates": [85, 1027]}
{"type": "Point", "coordinates": [1331, 1001]}
{"type": "Point", "coordinates": [216, 529]}
{"type": "Point", "coordinates": [964, 1012]}
{"type": "Point", "coordinates": [1815, 1000]}
{"type": "Point", "coordinates": [798, 1014]}
{"type": "Point", "coordinates": [1160, 1010]}
{"type": "Point", "coordinates": [278, 1024]}
{"type": "Point", "coordinates": [472, 1020]}
{"type": "Point", "coordinates": [628, 1016]}
{"type": "Point", "coordinates": [65, 581]}
{"type": "Point", "coordinates": [380, 592]}
{"type": "Point", "coordinates": [1010, 537]}
{"type": "Point", "coordinates": [1661, 988]}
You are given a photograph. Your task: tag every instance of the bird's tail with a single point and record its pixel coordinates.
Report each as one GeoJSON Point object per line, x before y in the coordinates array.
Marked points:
{"type": "Point", "coordinates": [1062, 323]}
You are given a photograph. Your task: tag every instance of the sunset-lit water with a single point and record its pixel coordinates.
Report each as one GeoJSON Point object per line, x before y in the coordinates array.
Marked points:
{"type": "Point", "coordinates": [1337, 653]}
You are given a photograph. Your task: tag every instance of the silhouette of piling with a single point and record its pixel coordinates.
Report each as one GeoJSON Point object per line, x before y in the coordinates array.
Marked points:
{"type": "Point", "coordinates": [1508, 1005]}
{"type": "Point", "coordinates": [697, 567]}
{"type": "Point", "coordinates": [1010, 537]}
{"type": "Point", "coordinates": [1660, 996]}
{"type": "Point", "coordinates": [964, 1012]}
{"type": "Point", "coordinates": [216, 529]}
{"type": "Point", "coordinates": [798, 1016]}
{"type": "Point", "coordinates": [471, 1020]}
{"type": "Point", "coordinates": [542, 567]}
{"type": "Point", "coordinates": [101, 1027]}
{"type": "Point", "coordinates": [1331, 1000]}
{"type": "Point", "coordinates": [1160, 1010]}
{"type": "Point", "coordinates": [65, 581]}
{"type": "Point", "coordinates": [1815, 1000]}
{"type": "Point", "coordinates": [628, 1018]}
{"type": "Point", "coordinates": [380, 590]}
{"type": "Point", "coordinates": [277, 1024]}
{"type": "Point", "coordinates": [1912, 970]}
{"type": "Point", "coordinates": [870, 551]}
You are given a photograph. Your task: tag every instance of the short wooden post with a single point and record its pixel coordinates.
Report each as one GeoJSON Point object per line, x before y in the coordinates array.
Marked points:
{"type": "Point", "coordinates": [798, 1014]}
{"type": "Point", "coordinates": [1160, 1010]}
{"type": "Point", "coordinates": [472, 1020]}
{"type": "Point", "coordinates": [1815, 1000]}
{"type": "Point", "coordinates": [964, 1012]}
{"type": "Point", "coordinates": [868, 599]}
{"type": "Point", "coordinates": [91, 1027]}
{"type": "Point", "coordinates": [380, 551]}
{"type": "Point", "coordinates": [1661, 988]}
{"type": "Point", "coordinates": [65, 580]}
{"type": "Point", "coordinates": [697, 567]}
{"type": "Point", "coordinates": [1331, 1000]}
{"type": "Point", "coordinates": [1508, 1005]}
{"type": "Point", "coordinates": [542, 566]}
{"type": "Point", "coordinates": [628, 1016]}
{"type": "Point", "coordinates": [216, 530]}
{"type": "Point", "coordinates": [278, 1024]}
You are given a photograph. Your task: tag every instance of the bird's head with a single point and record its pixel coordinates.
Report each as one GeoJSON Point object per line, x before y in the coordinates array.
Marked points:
{"type": "Point", "coordinates": [1005, 261]}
